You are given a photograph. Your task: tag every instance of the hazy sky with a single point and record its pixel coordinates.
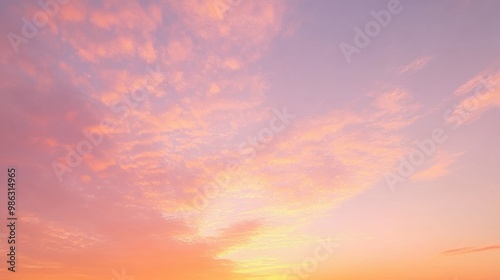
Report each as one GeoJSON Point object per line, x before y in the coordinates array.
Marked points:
{"type": "Point", "coordinates": [248, 139]}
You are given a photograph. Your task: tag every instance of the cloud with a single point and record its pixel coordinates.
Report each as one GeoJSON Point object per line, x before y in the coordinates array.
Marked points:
{"type": "Point", "coordinates": [124, 205]}
{"type": "Point", "coordinates": [76, 12]}
{"type": "Point", "coordinates": [308, 169]}
{"type": "Point", "coordinates": [179, 50]}
{"type": "Point", "coordinates": [468, 250]}
{"type": "Point", "coordinates": [476, 96]}
{"type": "Point", "coordinates": [123, 198]}
{"type": "Point", "coordinates": [247, 28]}
{"type": "Point", "coordinates": [417, 64]}
{"type": "Point", "coordinates": [440, 166]}
{"type": "Point", "coordinates": [395, 109]}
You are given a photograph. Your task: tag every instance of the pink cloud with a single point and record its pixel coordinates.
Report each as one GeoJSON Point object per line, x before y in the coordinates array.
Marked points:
{"type": "Point", "coordinates": [439, 167]}
{"type": "Point", "coordinates": [417, 64]}
{"type": "Point", "coordinates": [477, 96]}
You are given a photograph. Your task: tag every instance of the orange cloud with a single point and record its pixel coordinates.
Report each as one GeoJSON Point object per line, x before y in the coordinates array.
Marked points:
{"type": "Point", "coordinates": [440, 166]}
{"type": "Point", "coordinates": [483, 93]}
{"type": "Point", "coordinates": [468, 250]}
{"type": "Point", "coordinates": [179, 50]}
{"type": "Point", "coordinates": [74, 12]}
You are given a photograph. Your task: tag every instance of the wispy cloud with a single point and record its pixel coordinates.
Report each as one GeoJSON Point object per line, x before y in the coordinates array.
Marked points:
{"type": "Point", "coordinates": [220, 68]}
{"type": "Point", "coordinates": [439, 166]}
{"type": "Point", "coordinates": [417, 64]}
{"type": "Point", "coordinates": [475, 97]}
{"type": "Point", "coordinates": [468, 250]}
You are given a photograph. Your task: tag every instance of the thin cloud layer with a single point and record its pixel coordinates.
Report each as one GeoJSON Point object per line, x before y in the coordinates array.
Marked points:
{"type": "Point", "coordinates": [220, 139]}
{"type": "Point", "coordinates": [468, 250]}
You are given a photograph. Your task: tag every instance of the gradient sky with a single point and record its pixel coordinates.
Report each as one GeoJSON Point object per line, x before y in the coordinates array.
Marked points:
{"type": "Point", "coordinates": [175, 189]}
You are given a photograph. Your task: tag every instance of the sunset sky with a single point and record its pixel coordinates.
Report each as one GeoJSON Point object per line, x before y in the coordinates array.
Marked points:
{"type": "Point", "coordinates": [251, 140]}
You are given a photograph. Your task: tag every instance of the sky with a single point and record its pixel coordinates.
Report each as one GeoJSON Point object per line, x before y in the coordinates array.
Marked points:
{"type": "Point", "coordinates": [251, 140]}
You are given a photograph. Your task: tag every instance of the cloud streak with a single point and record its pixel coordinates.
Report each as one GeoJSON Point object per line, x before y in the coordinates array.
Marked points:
{"type": "Point", "coordinates": [469, 250]}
